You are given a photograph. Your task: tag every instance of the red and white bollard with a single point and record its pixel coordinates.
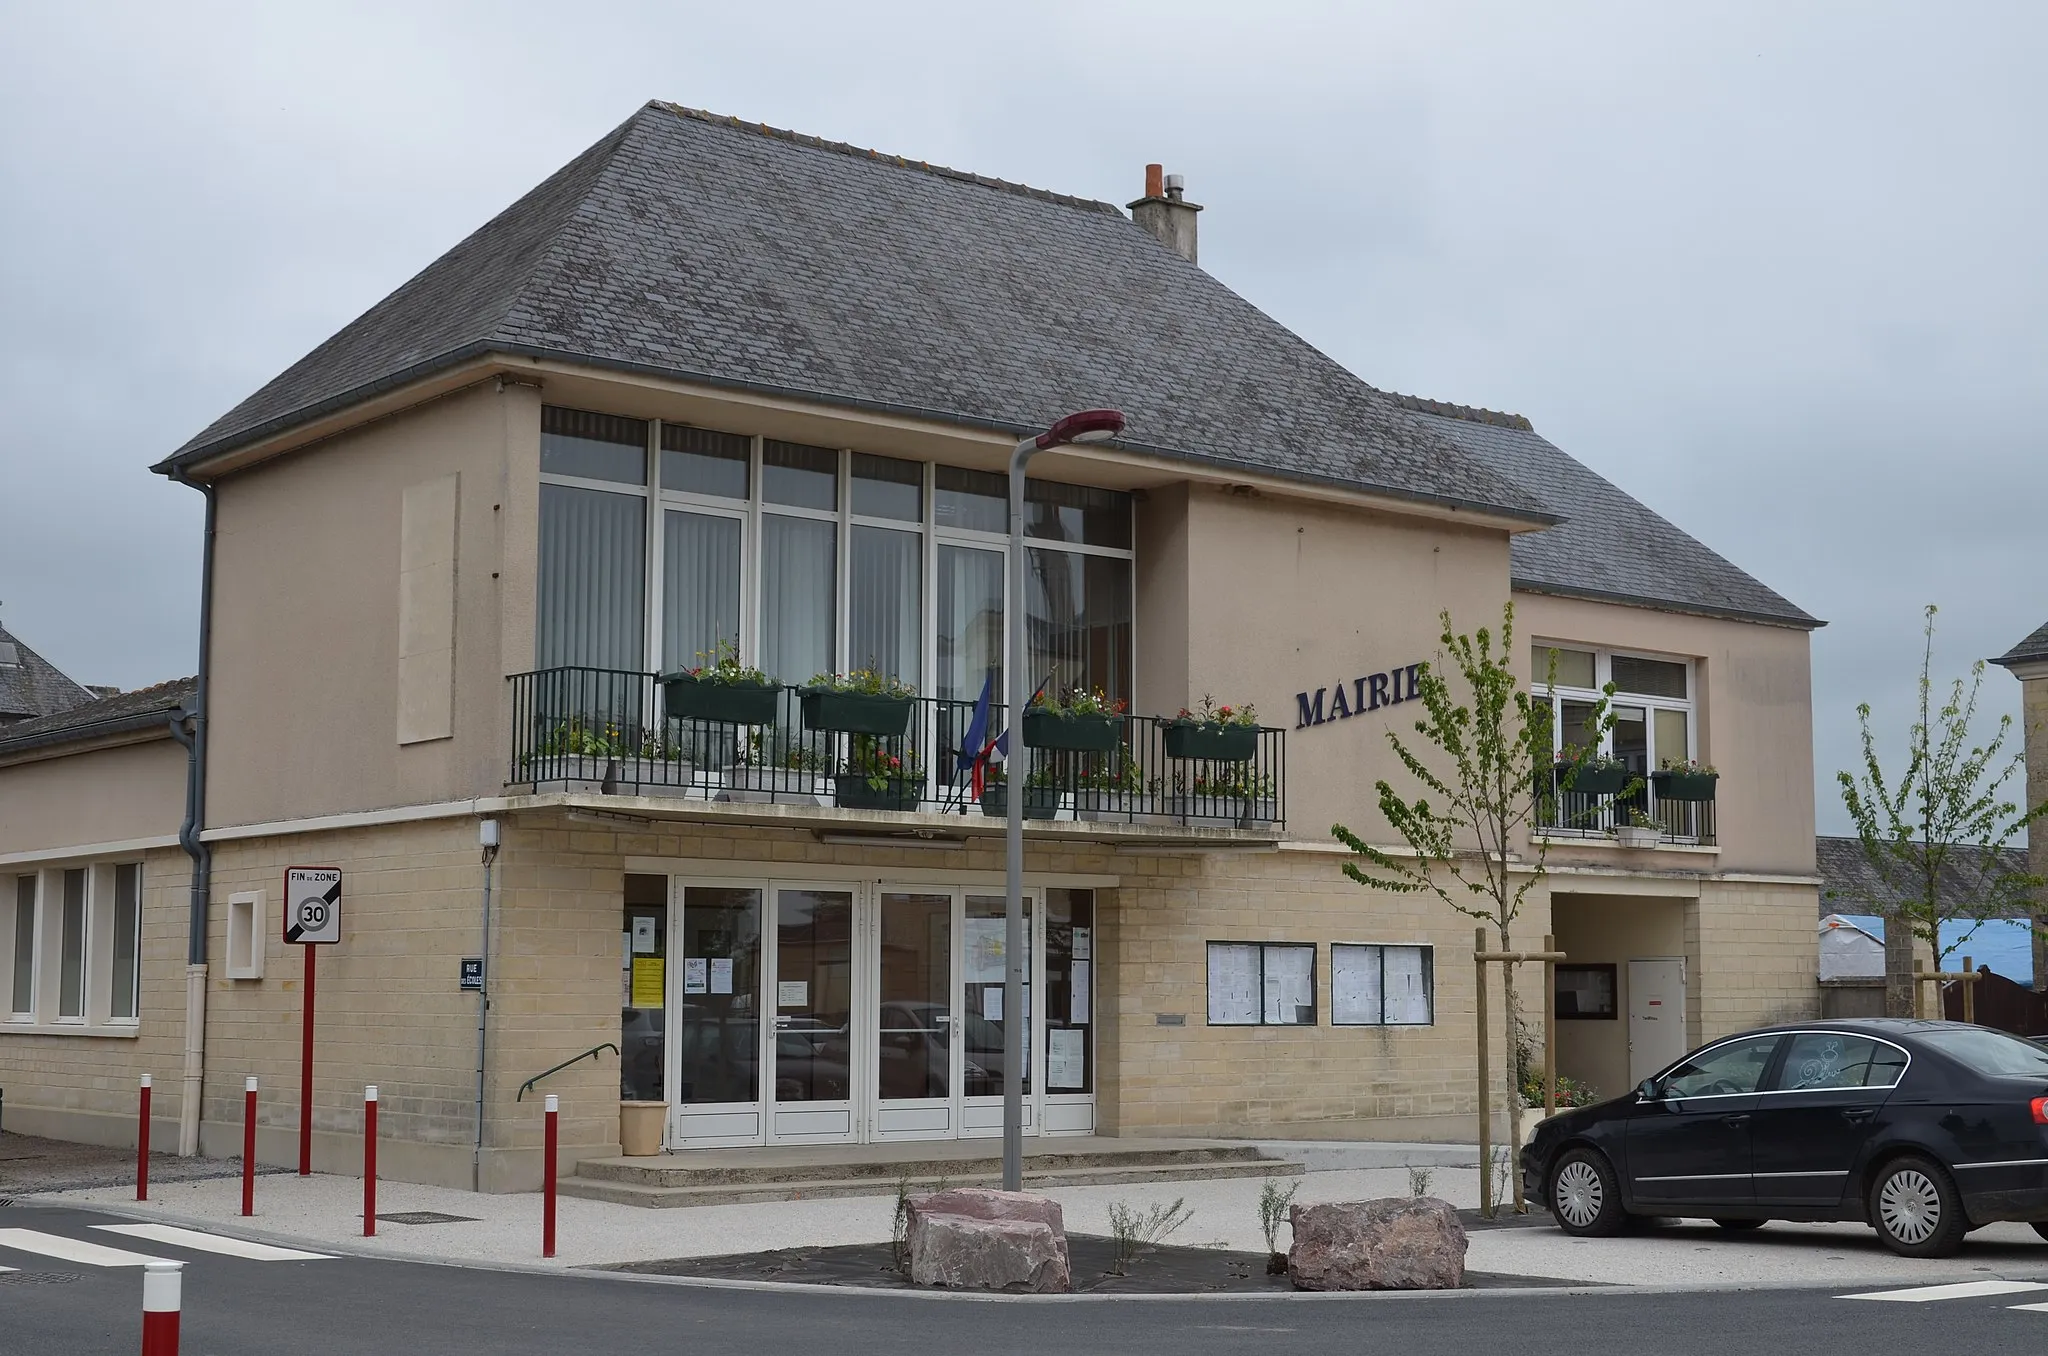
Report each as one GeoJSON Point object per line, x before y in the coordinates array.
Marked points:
{"type": "Point", "coordinates": [370, 1161]}
{"type": "Point", "coordinates": [162, 1284]}
{"type": "Point", "coordinates": [142, 1145]}
{"type": "Point", "coordinates": [249, 1145]}
{"type": "Point", "coordinates": [547, 1179]}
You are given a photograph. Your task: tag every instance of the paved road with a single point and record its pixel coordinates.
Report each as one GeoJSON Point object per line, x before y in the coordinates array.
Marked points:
{"type": "Point", "coordinates": [67, 1296]}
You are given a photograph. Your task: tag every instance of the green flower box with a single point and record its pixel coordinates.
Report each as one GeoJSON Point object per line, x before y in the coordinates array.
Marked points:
{"type": "Point", "coordinates": [689, 697]}
{"type": "Point", "coordinates": [1040, 802]}
{"type": "Point", "coordinates": [1214, 741]}
{"type": "Point", "coordinates": [1592, 781]}
{"type": "Point", "coordinates": [1083, 734]}
{"type": "Point", "coordinates": [851, 792]}
{"type": "Point", "coordinates": [856, 712]}
{"type": "Point", "coordinates": [1689, 786]}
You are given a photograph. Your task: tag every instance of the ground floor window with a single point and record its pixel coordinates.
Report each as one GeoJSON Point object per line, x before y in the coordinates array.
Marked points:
{"type": "Point", "coordinates": [1262, 984]}
{"type": "Point", "coordinates": [71, 944]}
{"type": "Point", "coordinates": [1382, 985]}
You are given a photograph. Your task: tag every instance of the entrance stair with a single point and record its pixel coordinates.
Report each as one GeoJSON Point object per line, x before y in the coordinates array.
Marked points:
{"type": "Point", "coordinates": [817, 1172]}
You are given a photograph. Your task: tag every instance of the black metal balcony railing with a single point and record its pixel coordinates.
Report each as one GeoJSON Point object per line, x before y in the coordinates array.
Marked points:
{"type": "Point", "coordinates": [608, 730]}
{"type": "Point", "coordinates": [1565, 813]}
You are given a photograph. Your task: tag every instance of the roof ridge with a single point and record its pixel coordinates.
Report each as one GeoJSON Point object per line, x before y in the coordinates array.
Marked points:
{"type": "Point", "coordinates": [1470, 413]}
{"type": "Point", "coordinates": [882, 157]}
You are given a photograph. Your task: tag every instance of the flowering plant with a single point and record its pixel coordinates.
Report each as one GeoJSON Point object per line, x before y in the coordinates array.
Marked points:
{"type": "Point", "coordinates": [1687, 766]}
{"type": "Point", "coordinates": [725, 669]}
{"type": "Point", "coordinates": [1079, 702]}
{"type": "Point", "coordinates": [1209, 713]}
{"type": "Point", "coordinates": [1116, 772]}
{"type": "Point", "coordinates": [864, 682]}
{"type": "Point", "coordinates": [869, 758]}
{"type": "Point", "coordinates": [1573, 756]}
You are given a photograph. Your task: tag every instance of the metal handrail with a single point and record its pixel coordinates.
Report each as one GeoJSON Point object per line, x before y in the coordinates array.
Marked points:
{"type": "Point", "coordinates": [593, 1050]}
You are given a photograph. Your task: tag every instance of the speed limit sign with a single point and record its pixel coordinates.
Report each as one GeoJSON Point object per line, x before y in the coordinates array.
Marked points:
{"type": "Point", "coordinates": [312, 905]}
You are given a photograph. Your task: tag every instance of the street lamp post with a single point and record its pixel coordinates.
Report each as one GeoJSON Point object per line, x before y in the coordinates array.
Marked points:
{"type": "Point", "coordinates": [1088, 426]}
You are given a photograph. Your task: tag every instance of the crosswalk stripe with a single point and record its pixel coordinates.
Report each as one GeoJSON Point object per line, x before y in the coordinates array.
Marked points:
{"type": "Point", "coordinates": [2031, 1308]}
{"type": "Point", "coordinates": [1922, 1294]}
{"type": "Point", "coordinates": [72, 1249]}
{"type": "Point", "coordinates": [172, 1236]}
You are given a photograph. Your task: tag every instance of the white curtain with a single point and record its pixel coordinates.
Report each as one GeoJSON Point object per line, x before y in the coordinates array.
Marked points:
{"type": "Point", "coordinates": [970, 606]}
{"type": "Point", "coordinates": [798, 594]}
{"type": "Point", "coordinates": [700, 587]}
{"type": "Point", "coordinates": [592, 580]}
{"type": "Point", "coordinates": [886, 601]}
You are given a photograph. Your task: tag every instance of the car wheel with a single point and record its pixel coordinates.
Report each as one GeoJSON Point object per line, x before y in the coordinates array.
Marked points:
{"type": "Point", "coordinates": [1916, 1210]}
{"type": "Point", "coordinates": [1585, 1199]}
{"type": "Point", "coordinates": [1737, 1226]}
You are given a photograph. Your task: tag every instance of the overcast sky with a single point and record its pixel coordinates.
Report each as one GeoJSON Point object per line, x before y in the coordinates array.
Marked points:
{"type": "Point", "coordinates": [1775, 269]}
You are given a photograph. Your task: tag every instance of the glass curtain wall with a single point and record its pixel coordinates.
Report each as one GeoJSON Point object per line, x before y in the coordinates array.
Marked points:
{"type": "Point", "coordinates": [593, 547]}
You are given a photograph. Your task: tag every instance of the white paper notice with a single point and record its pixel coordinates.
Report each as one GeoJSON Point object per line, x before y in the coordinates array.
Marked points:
{"type": "Point", "coordinates": [992, 1003]}
{"type": "Point", "coordinates": [721, 974]}
{"type": "Point", "coordinates": [1407, 986]}
{"type": "Point", "coordinates": [984, 950]}
{"type": "Point", "coordinates": [793, 993]}
{"type": "Point", "coordinates": [1066, 1058]}
{"type": "Point", "coordinates": [1077, 1002]}
{"type": "Point", "coordinates": [1084, 944]}
{"type": "Point", "coordinates": [1233, 984]}
{"type": "Point", "coordinates": [643, 935]}
{"type": "Point", "coordinates": [1290, 984]}
{"type": "Point", "coordinates": [1354, 985]}
{"type": "Point", "coordinates": [696, 974]}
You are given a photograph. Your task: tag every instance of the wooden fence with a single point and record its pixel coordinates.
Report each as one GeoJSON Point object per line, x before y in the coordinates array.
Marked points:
{"type": "Point", "coordinates": [2000, 1003]}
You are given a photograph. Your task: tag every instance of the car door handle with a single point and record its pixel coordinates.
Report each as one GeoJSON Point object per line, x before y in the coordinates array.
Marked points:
{"type": "Point", "coordinates": [1856, 1115]}
{"type": "Point", "coordinates": [1735, 1122]}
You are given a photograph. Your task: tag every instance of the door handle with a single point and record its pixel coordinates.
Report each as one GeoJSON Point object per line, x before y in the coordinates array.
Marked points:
{"type": "Point", "coordinates": [1735, 1122]}
{"type": "Point", "coordinates": [1857, 1115]}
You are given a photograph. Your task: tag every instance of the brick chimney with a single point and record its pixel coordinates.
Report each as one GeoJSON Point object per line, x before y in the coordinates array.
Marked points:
{"type": "Point", "coordinates": [1164, 212]}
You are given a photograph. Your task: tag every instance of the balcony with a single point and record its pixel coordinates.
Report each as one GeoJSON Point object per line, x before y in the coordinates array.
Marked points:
{"type": "Point", "coordinates": [606, 731]}
{"type": "Point", "coordinates": [1562, 813]}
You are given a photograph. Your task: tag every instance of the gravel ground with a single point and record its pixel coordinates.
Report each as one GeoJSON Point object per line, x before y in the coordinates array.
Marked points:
{"type": "Point", "coordinates": [325, 1211]}
{"type": "Point", "coordinates": [29, 1165]}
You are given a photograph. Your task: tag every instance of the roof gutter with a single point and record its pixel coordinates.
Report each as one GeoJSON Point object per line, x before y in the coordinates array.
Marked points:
{"type": "Point", "coordinates": [113, 725]}
{"type": "Point", "coordinates": [179, 464]}
{"type": "Point", "coordinates": [1800, 622]}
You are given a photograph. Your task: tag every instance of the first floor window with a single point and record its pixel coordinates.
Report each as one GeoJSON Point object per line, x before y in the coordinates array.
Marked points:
{"type": "Point", "coordinates": [1262, 984]}
{"type": "Point", "coordinates": [24, 986]}
{"type": "Point", "coordinates": [1382, 985]}
{"type": "Point", "coordinates": [127, 941]}
{"type": "Point", "coordinates": [71, 955]}
{"type": "Point", "coordinates": [799, 564]}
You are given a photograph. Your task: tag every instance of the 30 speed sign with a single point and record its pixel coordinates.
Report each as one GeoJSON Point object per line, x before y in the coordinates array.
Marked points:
{"type": "Point", "coordinates": [312, 905]}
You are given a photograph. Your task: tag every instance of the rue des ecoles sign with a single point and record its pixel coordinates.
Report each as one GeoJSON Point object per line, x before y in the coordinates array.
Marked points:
{"type": "Point", "coordinates": [1355, 698]}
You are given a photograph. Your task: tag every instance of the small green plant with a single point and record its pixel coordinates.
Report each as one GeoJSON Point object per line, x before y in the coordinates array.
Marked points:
{"type": "Point", "coordinates": [1134, 1230]}
{"type": "Point", "coordinates": [868, 757]}
{"type": "Point", "coordinates": [1418, 1180]}
{"type": "Point", "coordinates": [722, 666]}
{"type": "Point", "coordinates": [1638, 819]}
{"type": "Point", "coordinates": [1273, 1211]}
{"type": "Point", "coordinates": [1502, 1172]}
{"type": "Point", "coordinates": [1079, 701]}
{"type": "Point", "coordinates": [1115, 771]}
{"type": "Point", "coordinates": [1570, 1091]}
{"type": "Point", "coordinates": [899, 1229]}
{"type": "Point", "coordinates": [581, 738]}
{"type": "Point", "coordinates": [1691, 767]}
{"type": "Point", "coordinates": [864, 682]}
{"type": "Point", "coordinates": [1210, 713]}
{"type": "Point", "coordinates": [777, 749]}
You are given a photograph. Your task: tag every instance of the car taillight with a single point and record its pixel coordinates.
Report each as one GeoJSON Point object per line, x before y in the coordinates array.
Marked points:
{"type": "Point", "coordinates": [2039, 1106]}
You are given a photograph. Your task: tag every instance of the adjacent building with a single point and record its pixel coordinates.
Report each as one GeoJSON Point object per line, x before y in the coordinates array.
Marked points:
{"type": "Point", "coordinates": [713, 387]}
{"type": "Point", "coordinates": [2028, 662]}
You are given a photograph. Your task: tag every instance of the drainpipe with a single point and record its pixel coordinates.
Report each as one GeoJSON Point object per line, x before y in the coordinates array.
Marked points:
{"type": "Point", "coordinates": [487, 839]}
{"type": "Point", "coordinates": [189, 728]}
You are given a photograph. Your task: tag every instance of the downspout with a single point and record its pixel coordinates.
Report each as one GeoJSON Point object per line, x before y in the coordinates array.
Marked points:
{"type": "Point", "coordinates": [487, 838]}
{"type": "Point", "coordinates": [189, 728]}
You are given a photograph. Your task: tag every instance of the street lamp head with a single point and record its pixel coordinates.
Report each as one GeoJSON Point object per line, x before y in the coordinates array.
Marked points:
{"type": "Point", "coordinates": [1087, 426]}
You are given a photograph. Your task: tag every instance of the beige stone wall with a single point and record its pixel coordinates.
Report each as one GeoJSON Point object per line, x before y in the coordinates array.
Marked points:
{"type": "Point", "coordinates": [1753, 956]}
{"type": "Point", "coordinates": [113, 794]}
{"type": "Point", "coordinates": [307, 639]}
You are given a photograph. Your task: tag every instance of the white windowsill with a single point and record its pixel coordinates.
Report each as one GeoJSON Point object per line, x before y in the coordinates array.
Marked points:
{"type": "Point", "coordinates": [113, 1030]}
{"type": "Point", "coordinates": [1609, 845]}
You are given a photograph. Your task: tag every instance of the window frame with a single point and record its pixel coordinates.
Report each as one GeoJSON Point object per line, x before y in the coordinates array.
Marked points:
{"type": "Point", "coordinates": [1428, 950]}
{"type": "Point", "coordinates": [46, 971]}
{"type": "Point", "coordinates": [1315, 1017]}
{"type": "Point", "coordinates": [1603, 673]}
{"type": "Point", "coordinates": [1613, 973]}
{"type": "Point", "coordinates": [33, 906]}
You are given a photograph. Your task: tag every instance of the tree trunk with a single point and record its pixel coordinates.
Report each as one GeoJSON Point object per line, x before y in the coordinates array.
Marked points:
{"type": "Point", "coordinates": [1514, 1145]}
{"type": "Point", "coordinates": [1898, 966]}
{"type": "Point", "coordinates": [2041, 944]}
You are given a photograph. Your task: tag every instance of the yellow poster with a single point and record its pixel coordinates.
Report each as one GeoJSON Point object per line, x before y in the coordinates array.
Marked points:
{"type": "Point", "coordinates": [647, 975]}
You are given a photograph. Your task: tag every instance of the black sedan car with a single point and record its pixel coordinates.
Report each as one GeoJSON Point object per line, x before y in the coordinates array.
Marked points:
{"type": "Point", "coordinates": [1925, 1130]}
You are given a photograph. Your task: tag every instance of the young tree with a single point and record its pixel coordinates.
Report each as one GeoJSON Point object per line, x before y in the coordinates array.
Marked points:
{"type": "Point", "coordinates": [1485, 740]}
{"type": "Point", "coordinates": [1951, 796]}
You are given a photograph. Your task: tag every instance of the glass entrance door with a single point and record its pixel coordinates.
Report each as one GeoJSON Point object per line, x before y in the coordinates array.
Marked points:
{"type": "Point", "coordinates": [914, 1017]}
{"type": "Point", "coordinates": [716, 1041]}
{"type": "Point", "coordinates": [983, 972]}
{"type": "Point", "coordinates": [811, 1050]}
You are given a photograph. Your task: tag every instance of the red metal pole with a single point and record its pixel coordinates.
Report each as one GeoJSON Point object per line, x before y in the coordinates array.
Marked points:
{"type": "Point", "coordinates": [249, 1145]}
{"type": "Point", "coordinates": [306, 1072]}
{"type": "Point", "coordinates": [370, 1161]}
{"type": "Point", "coordinates": [142, 1145]}
{"type": "Point", "coordinates": [547, 1190]}
{"type": "Point", "coordinates": [162, 1283]}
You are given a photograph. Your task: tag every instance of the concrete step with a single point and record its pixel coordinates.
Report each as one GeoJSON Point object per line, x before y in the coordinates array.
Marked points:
{"type": "Point", "coordinates": [678, 1170]}
{"type": "Point", "coordinates": [1035, 1178]}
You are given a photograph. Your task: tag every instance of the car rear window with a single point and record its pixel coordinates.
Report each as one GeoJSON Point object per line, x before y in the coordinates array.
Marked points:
{"type": "Point", "coordinates": [1990, 1052]}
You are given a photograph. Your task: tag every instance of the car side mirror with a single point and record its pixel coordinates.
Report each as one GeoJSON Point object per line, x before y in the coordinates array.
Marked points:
{"type": "Point", "coordinates": [1648, 1091]}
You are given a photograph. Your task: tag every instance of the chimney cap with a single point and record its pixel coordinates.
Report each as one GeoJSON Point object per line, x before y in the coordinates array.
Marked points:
{"type": "Point", "coordinates": [1154, 185]}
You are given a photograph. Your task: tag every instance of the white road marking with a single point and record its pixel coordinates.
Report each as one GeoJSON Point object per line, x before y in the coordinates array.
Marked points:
{"type": "Point", "coordinates": [172, 1236]}
{"type": "Point", "coordinates": [2030, 1308]}
{"type": "Point", "coordinates": [1922, 1294]}
{"type": "Point", "coordinates": [72, 1249]}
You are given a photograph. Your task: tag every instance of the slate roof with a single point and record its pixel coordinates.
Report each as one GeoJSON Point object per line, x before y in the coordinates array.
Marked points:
{"type": "Point", "coordinates": [2034, 647]}
{"type": "Point", "coordinates": [31, 685]}
{"type": "Point", "coordinates": [1849, 884]}
{"type": "Point", "coordinates": [699, 247]}
{"type": "Point", "coordinates": [1610, 545]}
{"type": "Point", "coordinates": [143, 707]}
